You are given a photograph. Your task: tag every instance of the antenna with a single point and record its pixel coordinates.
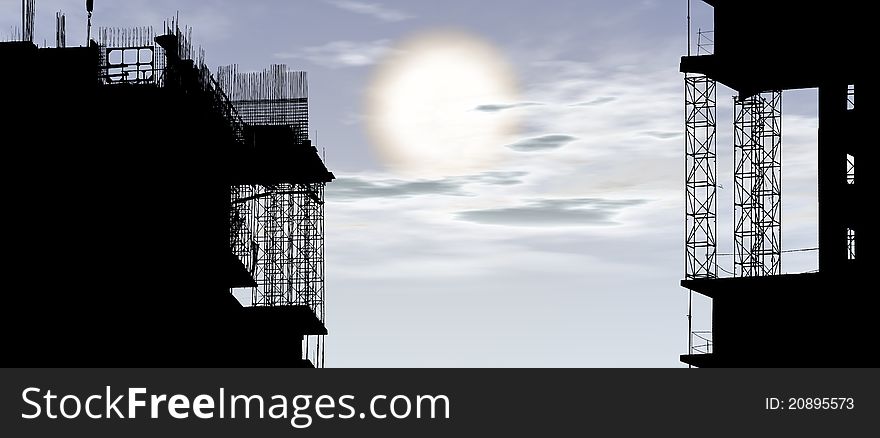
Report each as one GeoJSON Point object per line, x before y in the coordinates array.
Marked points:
{"type": "Point", "coordinates": [689, 27]}
{"type": "Point", "coordinates": [90, 6]}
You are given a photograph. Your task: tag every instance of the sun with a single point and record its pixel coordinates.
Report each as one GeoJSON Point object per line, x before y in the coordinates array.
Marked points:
{"type": "Point", "coordinates": [423, 105]}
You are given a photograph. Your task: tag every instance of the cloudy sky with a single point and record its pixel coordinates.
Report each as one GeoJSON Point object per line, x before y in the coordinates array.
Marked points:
{"type": "Point", "coordinates": [553, 236]}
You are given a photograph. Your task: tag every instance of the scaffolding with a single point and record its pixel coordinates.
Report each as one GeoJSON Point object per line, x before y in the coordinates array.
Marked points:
{"type": "Point", "coordinates": [701, 185]}
{"type": "Point", "coordinates": [700, 178]}
{"type": "Point", "coordinates": [307, 211]}
{"type": "Point", "coordinates": [242, 224]}
{"type": "Point", "coordinates": [757, 178]}
{"type": "Point", "coordinates": [277, 230]}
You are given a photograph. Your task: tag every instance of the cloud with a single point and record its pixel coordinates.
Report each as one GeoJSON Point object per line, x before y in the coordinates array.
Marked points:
{"type": "Point", "coordinates": [663, 135]}
{"type": "Point", "coordinates": [596, 101]}
{"type": "Point", "coordinates": [360, 188]}
{"type": "Point", "coordinates": [374, 10]}
{"type": "Point", "coordinates": [354, 188]}
{"type": "Point", "coordinates": [553, 212]}
{"type": "Point", "coordinates": [496, 178]}
{"type": "Point", "coordinates": [542, 143]}
{"type": "Point", "coordinates": [494, 108]}
{"type": "Point", "coordinates": [338, 54]}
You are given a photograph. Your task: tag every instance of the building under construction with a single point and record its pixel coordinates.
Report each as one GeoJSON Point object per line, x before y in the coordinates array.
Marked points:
{"type": "Point", "coordinates": [760, 316]}
{"type": "Point", "coordinates": [142, 190]}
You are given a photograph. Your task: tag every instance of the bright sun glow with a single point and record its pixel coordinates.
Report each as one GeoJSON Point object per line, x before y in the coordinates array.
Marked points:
{"type": "Point", "coordinates": [422, 105]}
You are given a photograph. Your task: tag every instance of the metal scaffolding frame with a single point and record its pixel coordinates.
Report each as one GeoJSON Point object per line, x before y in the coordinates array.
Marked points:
{"type": "Point", "coordinates": [307, 236]}
{"type": "Point", "coordinates": [701, 185]}
{"type": "Point", "coordinates": [307, 255]}
{"type": "Point", "coordinates": [757, 176]}
{"type": "Point", "coordinates": [277, 230]}
{"type": "Point", "coordinates": [701, 204]}
{"type": "Point", "coordinates": [701, 258]}
{"type": "Point", "coordinates": [242, 223]}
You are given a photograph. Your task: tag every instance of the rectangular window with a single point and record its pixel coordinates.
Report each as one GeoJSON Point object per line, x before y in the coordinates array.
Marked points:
{"type": "Point", "coordinates": [850, 244]}
{"type": "Point", "coordinates": [850, 97]}
{"type": "Point", "coordinates": [850, 169]}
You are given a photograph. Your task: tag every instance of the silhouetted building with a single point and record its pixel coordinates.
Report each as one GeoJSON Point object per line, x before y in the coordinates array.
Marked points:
{"type": "Point", "coordinates": [761, 318]}
{"type": "Point", "coordinates": [139, 195]}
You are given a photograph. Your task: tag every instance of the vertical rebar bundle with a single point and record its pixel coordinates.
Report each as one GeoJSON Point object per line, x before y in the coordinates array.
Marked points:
{"type": "Point", "coordinates": [184, 40]}
{"type": "Point", "coordinates": [273, 83]}
{"type": "Point", "coordinates": [275, 96]}
{"type": "Point", "coordinates": [757, 178]}
{"type": "Point", "coordinates": [141, 36]}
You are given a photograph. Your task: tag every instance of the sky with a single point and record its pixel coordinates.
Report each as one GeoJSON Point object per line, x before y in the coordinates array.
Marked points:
{"type": "Point", "coordinates": [563, 245]}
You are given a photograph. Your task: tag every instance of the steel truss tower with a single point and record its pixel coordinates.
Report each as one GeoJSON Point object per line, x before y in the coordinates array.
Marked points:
{"type": "Point", "coordinates": [757, 175]}
{"type": "Point", "coordinates": [700, 178]}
